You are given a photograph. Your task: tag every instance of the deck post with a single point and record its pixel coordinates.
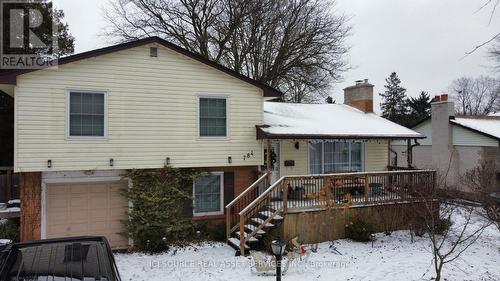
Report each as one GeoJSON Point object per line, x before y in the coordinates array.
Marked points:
{"type": "Point", "coordinates": [367, 188]}
{"type": "Point", "coordinates": [228, 223]}
{"type": "Point", "coordinates": [284, 186]}
{"type": "Point", "coordinates": [242, 235]}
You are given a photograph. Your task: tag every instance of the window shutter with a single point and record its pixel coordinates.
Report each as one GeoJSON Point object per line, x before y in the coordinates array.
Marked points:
{"type": "Point", "coordinates": [228, 187]}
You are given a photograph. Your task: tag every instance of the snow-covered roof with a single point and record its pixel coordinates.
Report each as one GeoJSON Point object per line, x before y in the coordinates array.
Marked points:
{"type": "Point", "coordinates": [489, 125]}
{"type": "Point", "coordinates": [292, 120]}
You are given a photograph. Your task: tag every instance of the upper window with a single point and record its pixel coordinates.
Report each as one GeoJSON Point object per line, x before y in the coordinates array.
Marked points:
{"type": "Point", "coordinates": [86, 114]}
{"type": "Point", "coordinates": [208, 196]}
{"type": "Point", "coordinates": [213, 117]}
{"type": "Point", "coordinates": [331, 157]}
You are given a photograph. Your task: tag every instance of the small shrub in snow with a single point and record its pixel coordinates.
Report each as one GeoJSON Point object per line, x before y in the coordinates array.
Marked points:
{"type": "Point", "coordinates": [359, 230]}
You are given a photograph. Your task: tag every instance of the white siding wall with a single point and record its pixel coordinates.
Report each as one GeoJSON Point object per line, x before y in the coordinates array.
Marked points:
{"type": "Point", "coordinates": [376, 156]}
{"type": "Point", "coordinates": [152, 112]}
{"type": "Point", "coordinates": [464, 137]}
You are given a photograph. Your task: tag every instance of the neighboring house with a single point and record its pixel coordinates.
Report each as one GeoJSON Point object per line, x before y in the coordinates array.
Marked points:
{"type": "Point", "coordinates": [148, 103]}
{"type": "Point", "coordinates": [454, 144]}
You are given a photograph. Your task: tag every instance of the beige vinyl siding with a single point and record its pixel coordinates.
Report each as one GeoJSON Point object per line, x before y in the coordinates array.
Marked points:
{"type": "Point", "coordinates": [152, 114]}
{"type": "Point", "coordinates": [376, 153]}
{"type": "Point", "coordinates": [300, 156]}
{"type": "Point", "coordinates": [376, 156]}
{"type": "Point", "coordinates": [464, 137]}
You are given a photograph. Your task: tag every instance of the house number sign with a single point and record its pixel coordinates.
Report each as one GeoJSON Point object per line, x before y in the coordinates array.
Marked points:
{"type": "Point", "coordinates": [248, 155]}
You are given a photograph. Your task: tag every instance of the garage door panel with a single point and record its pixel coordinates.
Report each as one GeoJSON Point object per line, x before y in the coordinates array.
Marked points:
{"type": "Point", "coordinates": [120, 211]}
{"type": "Point", "coordinates": [79, 189]}
{"type": "Point", "coordinates": [98, 189]}
{"type": "Point", "coordinates": [58, 202]}
{"type": "Point", "coordinates": [79, 202]}
{"type": "Point", "coordinates": [99, 202]}
{"type": "Point", "coordinates": [92, 208]}
{"type": "Point", "coordinates": [57, 216]}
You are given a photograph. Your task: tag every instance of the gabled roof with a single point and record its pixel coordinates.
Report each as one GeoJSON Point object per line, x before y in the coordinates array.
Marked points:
{"type": "Point", "coordinates": [327, 121]}
{"type": "Point", "coordinates": [8, 76]}
{"type": "Point", "coordinates": [485, 125]}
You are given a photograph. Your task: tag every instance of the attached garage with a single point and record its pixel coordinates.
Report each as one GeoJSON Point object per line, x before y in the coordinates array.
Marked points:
{"type": "Point", "coordinates": [86, 208]}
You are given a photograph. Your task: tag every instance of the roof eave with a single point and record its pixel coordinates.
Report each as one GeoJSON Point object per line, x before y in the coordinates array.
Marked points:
{"type": "Point", "coordinates": [10, 77]}
{"type": "Point", "coordinates": [261, 134]}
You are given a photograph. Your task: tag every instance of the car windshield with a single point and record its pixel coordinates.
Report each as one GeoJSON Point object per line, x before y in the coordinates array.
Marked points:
{"type": "Point", "coordinates": [86, 261]}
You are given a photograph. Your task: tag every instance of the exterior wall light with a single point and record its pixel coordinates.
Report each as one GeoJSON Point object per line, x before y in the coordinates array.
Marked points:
{"type": "Point", "coordinates": [49, 163]}
{"type": "Point", "coordinates": [167, 161]}
{"type": "Point", "coordinates": [111, 162]}
{"type": "Point", "coordinates": [229, 160]}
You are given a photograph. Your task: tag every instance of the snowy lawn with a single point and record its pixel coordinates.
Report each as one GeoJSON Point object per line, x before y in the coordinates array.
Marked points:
{"type": "Point", "coordinates": [392, 258]}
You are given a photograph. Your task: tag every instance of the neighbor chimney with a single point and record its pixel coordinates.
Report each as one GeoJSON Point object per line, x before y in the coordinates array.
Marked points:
{"type": "Point", "coordinates": [360, 96]}
{"type": "Point", "coordinates": [442, 110]}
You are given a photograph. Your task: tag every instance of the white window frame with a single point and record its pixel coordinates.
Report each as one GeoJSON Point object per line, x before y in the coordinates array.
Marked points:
{"type": "Point", "coordinates": [221, 210]}
{"type": "Point", "coordinates": [67, 129]}
{"type": "Point", "coordinates": [198, 117]}
{"type": "Point", "coordinates": [363, 146]}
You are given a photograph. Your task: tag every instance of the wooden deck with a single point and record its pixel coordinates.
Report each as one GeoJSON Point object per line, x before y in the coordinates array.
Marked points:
{"type": "Point", "coordinates": [293, 194]}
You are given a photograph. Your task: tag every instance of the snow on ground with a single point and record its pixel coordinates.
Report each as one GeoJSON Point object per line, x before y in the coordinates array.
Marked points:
{"type": "Point", "coordinates": [391, 258]}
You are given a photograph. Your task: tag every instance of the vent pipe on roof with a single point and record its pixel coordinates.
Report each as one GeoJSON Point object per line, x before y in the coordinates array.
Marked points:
{"type": "Point", "coordinates": [360, 96]}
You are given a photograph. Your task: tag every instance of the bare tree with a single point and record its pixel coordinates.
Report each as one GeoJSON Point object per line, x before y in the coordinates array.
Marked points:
{"type": "Point", "coordinates": [492, 6]}
{"type": "Point", "coordinates": [476, 96]}
{"type": "Point", "coordinates": [451, 227]}
{"type": "Point", "coordinates": [297, 46]}
{"type": "Point", "coordinates": [482, 181]}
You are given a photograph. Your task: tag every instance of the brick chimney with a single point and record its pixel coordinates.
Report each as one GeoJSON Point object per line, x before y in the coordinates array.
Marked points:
{"type": "Point", "coordinates": [360, 96]}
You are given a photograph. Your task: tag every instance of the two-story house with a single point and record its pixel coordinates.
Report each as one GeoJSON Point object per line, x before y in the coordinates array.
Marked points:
{"type": "Point", "coordinates": [149, 103]}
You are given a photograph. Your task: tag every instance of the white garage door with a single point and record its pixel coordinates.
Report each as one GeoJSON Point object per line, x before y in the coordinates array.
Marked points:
{"type": "Point", "coordinates": [90, 208]}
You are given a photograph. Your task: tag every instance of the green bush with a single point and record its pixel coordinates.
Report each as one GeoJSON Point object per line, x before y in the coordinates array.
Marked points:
{"type": "Point", "coordinates": [359, 230]}
{"type": "Point", "coordinates": [9, 229]}
{"type": "Point", "coordinates": [441, 226]}
{"type": "Point", "coordinates": [158, 217]}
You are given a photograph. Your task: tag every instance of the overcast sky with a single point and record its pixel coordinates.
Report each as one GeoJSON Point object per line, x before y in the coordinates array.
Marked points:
{"type": "Point", "coordinates": [424, 41]}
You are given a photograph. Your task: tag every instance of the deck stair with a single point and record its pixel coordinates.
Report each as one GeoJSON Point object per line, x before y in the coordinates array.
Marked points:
{"type": "Point", "coordinates": [254, 213]}
{"type": "Point", "coordinates": [255, 241]}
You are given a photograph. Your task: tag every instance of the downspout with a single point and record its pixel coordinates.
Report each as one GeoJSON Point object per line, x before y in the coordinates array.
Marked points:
{"type": "Point", "coordinates": [409, 153]}
{"type": "Point", "coordinates": [395, 156]}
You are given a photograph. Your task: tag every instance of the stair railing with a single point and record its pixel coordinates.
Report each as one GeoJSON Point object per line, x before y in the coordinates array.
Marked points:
{"type": "Point", "coordinates": [273, 199]}
{"type": "Point", "coordinates": [241, 201]}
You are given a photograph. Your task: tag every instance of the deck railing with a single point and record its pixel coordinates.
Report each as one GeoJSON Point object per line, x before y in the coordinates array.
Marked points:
{"type": "Point", "coordinates": [296, 193]}
{"type": "Point", "coordinates": [306, 192]}
{"type": "Point", "coordinates": [242, 200]}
